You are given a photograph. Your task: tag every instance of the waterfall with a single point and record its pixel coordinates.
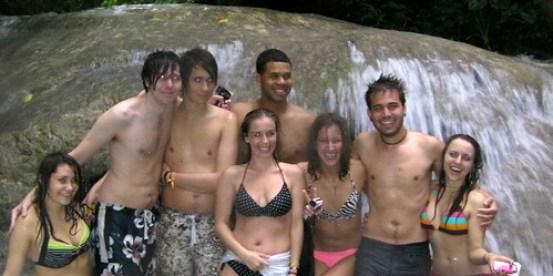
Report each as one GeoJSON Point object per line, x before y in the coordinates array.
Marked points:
{"type": "Point", "coordinates": [512, 123]}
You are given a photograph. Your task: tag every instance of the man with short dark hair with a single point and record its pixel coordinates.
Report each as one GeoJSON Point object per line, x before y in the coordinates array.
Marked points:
{"type": "Point", "coordinates": [274, 75]}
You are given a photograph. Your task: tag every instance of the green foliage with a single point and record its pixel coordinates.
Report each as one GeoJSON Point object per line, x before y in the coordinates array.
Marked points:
{"type": "Point", "coordinates": [20, 7]}
{"type": "Point", "coordinates": [506, 26]}
{"type": "Point", "coordinates": [110, 3]}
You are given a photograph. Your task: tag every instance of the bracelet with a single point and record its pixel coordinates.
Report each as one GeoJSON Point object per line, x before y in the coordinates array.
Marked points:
{"type": "Point", "coordinates": [487, 257]}
{"type": "Point", "coordinates": [166, 179]}
{"type": "Point", "coordinates": [173, 176]}
{"type": "Point", "coordinates": [294, 265]}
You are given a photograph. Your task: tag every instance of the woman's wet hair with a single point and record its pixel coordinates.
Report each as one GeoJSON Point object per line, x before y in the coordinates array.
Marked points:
{"type": "Point", "coordinates": [157, 64]}
{"type": "Point", "coordinates": [471, 180]}
{"type": "Point", "coordinates": [258, 114]}
{"type": "Point", "coordinates": [323, 121]}
{"type": "Point", "coordinates": [47, 167]}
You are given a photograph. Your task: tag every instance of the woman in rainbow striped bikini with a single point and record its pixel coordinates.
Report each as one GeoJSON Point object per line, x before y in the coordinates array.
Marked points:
{"type": "Point", "coordinates": [451, 212]}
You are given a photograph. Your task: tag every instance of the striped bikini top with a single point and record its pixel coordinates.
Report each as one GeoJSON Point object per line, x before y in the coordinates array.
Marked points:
{"type": "Point", "coordinates": [349, 209]}
{"type": "Point", "coordinates": [56, 254]}
{"type": "Point", "coordinates": [451, 223]}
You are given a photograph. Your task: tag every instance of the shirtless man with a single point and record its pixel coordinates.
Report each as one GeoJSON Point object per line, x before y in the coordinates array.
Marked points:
{"type": "Point", "coordinates": [137, 131]}
{"type": "Point", "coordinates": [202, 144]}
{"type": "Point", "coordinates": [274, 74]}
{"type": "Point", "coordinates": [399, 164]}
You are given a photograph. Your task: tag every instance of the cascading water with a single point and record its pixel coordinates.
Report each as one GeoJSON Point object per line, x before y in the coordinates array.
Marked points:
{"type": "Point", "coordinates": [512, 123]}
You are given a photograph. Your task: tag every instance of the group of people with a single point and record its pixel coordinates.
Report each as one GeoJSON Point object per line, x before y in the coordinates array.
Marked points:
{"type": "Point", "coordinates": [195, 189]}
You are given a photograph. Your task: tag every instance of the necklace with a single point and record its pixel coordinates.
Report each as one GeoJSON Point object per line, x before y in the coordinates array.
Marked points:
{"type": "Point", "coordinates": [395, 143]}
{"type": "Point", "coordinates": [334, 186]}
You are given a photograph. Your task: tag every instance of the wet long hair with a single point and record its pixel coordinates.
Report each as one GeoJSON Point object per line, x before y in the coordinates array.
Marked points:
{"type": "Point", "coordinates": [47, 167]}
{"type": "Point", "coordinates": [327, 120]}
{"type": "Point", "coordinates": [471, 180]}
{"type": "Point", "coordinates": [258, 114]}
{"type": "Point", "coordinates": [385, 83]}
{"type": "Point", "coordinates": [157, 64]}
{"type": "Point", "coordinates": [198, 57]}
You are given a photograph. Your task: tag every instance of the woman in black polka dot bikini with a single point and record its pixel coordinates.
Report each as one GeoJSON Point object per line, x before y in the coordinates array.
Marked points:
{"type": "Point", "coordinates": [265, 196]}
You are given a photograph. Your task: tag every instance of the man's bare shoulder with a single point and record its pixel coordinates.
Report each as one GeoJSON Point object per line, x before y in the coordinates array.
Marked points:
{"type": "Point", "coordinates": [298, 111]}
{"type": "Point", "coordinates": [365, 138]}
{"type": "Point", "coordinates": [428, 142]}
{"type": "Point", "coordinates": [223, 114]}
{"type": "Point", "coordinates": [126, 109]}
{"type": "Point", "coordinates": [242, 108]}
{"type": "Point", "coordinates": [427, 138]}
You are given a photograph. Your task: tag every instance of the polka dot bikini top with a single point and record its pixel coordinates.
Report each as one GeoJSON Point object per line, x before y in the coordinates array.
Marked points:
{"type": "Point", "coordinates": [278, 206]}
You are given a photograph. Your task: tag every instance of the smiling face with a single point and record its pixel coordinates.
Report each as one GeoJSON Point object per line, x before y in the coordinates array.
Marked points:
{"type": "Point", "coordinates": [168, 86]}
{"type": "Point", "coordinates": [458, 160]}
{"type": "Point", "coordinates": [63, 185]}
{"type": "Point", "coordinates": [329, 145]}
{"type": "Point", "coordinates": [387, 112]}
{"type": "Point", "coordinates": [262, 136]}
{"type": "Point", "coordinates": [276, 81]}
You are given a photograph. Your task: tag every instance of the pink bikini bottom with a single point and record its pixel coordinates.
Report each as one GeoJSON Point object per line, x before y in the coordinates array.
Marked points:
{"type": "Point", "coordinates": [331, 258]}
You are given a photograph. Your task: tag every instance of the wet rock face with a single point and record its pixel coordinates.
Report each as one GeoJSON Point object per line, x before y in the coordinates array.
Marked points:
{"type": "Point", "coordinates": [59, 72]}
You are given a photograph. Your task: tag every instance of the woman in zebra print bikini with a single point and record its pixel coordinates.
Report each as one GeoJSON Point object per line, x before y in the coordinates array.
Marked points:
{"type": "Point", "coordinates": [337, 181]}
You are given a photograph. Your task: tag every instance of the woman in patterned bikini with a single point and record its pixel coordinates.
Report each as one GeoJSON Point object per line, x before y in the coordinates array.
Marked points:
{"type": "Point", "coordinates": [54, 235]}
{"type": "Point", "coordinates": [451, 212]}
{"type": "Point", "coordinates": [337, 181]}
{"type": "Point", "coordinates": [265, 196]}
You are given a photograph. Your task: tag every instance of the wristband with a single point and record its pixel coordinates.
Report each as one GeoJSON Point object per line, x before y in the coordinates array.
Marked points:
{"type": "Point", "coordinates": [173, 177]}
{"type": "Point", "coordinates": [486, 257]}
{"type": "Point", "coordinates": [166, 179]}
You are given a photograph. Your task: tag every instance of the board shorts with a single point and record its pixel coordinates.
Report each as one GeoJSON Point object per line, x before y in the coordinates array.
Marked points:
{"type": "Point", "coordinates": [124, 240]}
{"type": "Point", "coordinates": [379, 258]}
{"type": "Point", "coordinates": [187, 244]}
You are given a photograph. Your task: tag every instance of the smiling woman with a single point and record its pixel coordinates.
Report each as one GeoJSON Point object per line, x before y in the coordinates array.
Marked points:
{"type": "Point", "coordinates": [451, 211]}
{"type": "Point", "coordinates": [265, 197]}
{"type": "Point", "coordinates": [54, 235]}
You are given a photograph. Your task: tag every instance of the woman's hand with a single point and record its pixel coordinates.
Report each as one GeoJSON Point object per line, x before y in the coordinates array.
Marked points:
{"type": "Point", "coordinates": [22, 208]}
{"type": "Point", "coordinates": [255, 261]}
{"type": "Point", "coordinates": [314, 204]}
{"type": "Point", "coordinates": [500, 265]}
{"type": "Point", "coordinates": [488, 211]}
